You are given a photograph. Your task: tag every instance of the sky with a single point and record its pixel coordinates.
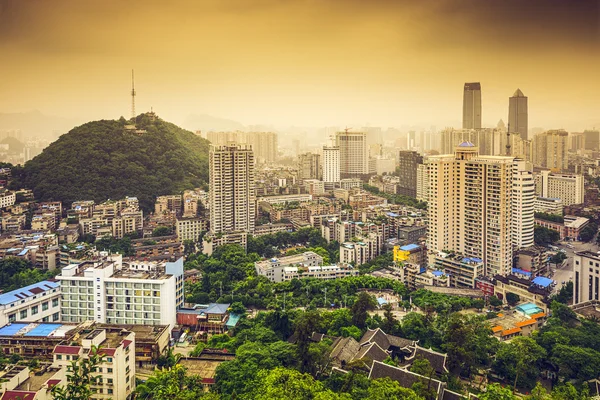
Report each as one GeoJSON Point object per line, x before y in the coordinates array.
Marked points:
{"type": "Point", "coordinates": [303, 62]}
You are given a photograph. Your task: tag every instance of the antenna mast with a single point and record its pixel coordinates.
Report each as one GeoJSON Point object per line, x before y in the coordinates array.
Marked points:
{"type": "Point", "coordinates": [508, 140]}
{"type": "Point", "coordinates": [132, 96]}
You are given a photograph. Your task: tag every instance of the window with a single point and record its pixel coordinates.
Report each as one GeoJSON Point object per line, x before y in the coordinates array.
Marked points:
{"type": "Point", "coordinates": [34, 310]}
{"type": "Point", "coordinates": [55, 317]}
{"type": "Point", "coordinates": [110, 391]}
{"type": "Point", "coordinates": [59, 357]}
{"type": "Point", "coordinates": [23, 314]}
{"type": "Point", "coordinates": [109, 370]}
{"type": "Point", "coordinates": [12, 317]}
{"type": "Point", "coordinates": [109, 381]}
{"type": "Point", "coordinates": [44, 306]}
{"type": "Point", "coordinates": [109, 359]}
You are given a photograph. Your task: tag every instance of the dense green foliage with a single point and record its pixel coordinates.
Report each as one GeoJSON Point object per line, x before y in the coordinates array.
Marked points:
{"type": "Point", "coordinates": [588, 232]}
{"type": "Point", "coordinates": [397, 198]}
{"type": "Point", "coordinates": [545, 236]}
{"type": "Point", "coordinates": [101, 160]}
{"type": "Point", "coordinates": [549, 217]}
{"type": "Point", "coordinates": [80, 378]}
{"type": "Point", "coordinates": [16, 273]}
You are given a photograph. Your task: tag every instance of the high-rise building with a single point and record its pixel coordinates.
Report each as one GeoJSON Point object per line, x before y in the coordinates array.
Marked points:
{"type": "Point", "coordinates": [550, 150]}
{"type": "Point", "coordinates": [331, 166]}
{"type": "Point", "coordinates": [264, 144]}
{"type": "Point", "coordinates": [517, 114]}
{"type": "Point", "coordinates": [570, 188]}
{"type": "Point", "coordinates": [408, 162]}
{"type": "Point", "coordinates": [232, 188]}
{"type": "Point", "coordinates": [354, 153]}
{"type": "Point", "coordinates": [523, 202]}
{"type": "Point", "coordinates": [309, 166]}
{"type": "Point", "coordinates": [469, 208]}
{"type": "Point", "coordinates": [472, 106]}
{"type": "Point", "coordinates": [422, 183]}
{"type": "Point", "coordinates": [576, 141]}
{"type": "Point", "coordinates": [592, 139]}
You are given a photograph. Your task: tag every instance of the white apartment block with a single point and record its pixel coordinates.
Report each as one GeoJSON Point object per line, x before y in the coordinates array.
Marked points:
{"type": "Point", "coordinates": [362, 251]}
{"type": "Point", "coordinates": [190, 228]}
{"type": "Point", "coordinates": [109, 291]}
{"type": "Point", "coordinates": [39, 302]}
{"type": "Point", "coordinates": [331, 166]}
{"type": "Point", "coordinates": [570, 188]}
{"type": "Point", "coordinates": [354, 153]}
{"type": "Point", "coordinates": [586, 277]}
{"type": "Point", "coordinates": [523, 201]}
{"type": "Point", "coordinates": [232, 189]}
{"type": "Point", "coordinates": [469, 208]}
{"type": "Point", "coordinates": [548, 206]}
{"type": "Point", "coordinates": [275, 268]}
{"type": "Point", "coordinates": [550, 150]}
{"type": "Point", "coordinates": [314, 187]}
{"type": "Point", "coordinates": [7, 198]}
{"type": "Point", "coordinates": [422, 183]}
{"type": "Point", "coordinates": [116, 373]}
{"type": "Point", "coordinates": [285, 198]}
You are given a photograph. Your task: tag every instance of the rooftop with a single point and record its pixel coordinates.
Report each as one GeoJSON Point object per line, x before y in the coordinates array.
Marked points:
{"type": "Point", "coordinates": [27, 291]}
{"type": "Point", "coordinates": [34, 329]}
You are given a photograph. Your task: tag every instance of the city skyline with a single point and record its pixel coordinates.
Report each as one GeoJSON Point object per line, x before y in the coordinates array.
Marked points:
{"type": "Point", "coordinates": [278, 63]}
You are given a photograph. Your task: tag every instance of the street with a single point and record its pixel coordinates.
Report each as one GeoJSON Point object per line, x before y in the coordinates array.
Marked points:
{"type": "Point", "coordinates": [565, 273]}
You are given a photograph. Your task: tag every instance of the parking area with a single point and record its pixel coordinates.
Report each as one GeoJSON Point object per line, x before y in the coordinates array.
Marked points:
{"type": "Point", "coordinates": [565, 272]}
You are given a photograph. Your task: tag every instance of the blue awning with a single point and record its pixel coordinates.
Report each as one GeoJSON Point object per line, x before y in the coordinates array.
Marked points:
{"type": "Point", "coordinates": [542, 281]}
{"type": "Point", "coordinates": [438, 273]}
{"type": "Point", "coordinates": [521, 271]}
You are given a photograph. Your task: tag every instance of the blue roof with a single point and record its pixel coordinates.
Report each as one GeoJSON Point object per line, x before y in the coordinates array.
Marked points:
{"type": "Point", "coordinates": [471, 259]}
{"type": "Point", "coordinates": [438, 273]}
{"type": "Point", "coordinates": [410, 247]}
{"type": "Point", "coordinates": [466, 144]}
{"type": "Point", "coordinates": [43, 330]}
{"type": "Point", "coordinates": [23, 252]}
{"type": "Point", "coordinates": [542, 281]}
{"type": "Point", "coordinates": [391, 214]}
{"type": "Point", "coordinates": [232, 320]}
{"type": "Point", "coordinates": [25, 292]}
{"type": "Point", "coordinates": [381, 301]}
{"type": "Point", "coordinates": [10, 330]}
{"type": "Point", "coordinates": [521, 271]}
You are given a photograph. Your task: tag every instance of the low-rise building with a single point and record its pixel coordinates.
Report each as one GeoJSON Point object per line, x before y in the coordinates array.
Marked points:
{"type": "Point", "coordinates": [532, 260]}
{"type": "Point", "coordinates": [211, 241]}
{"type": "Point", "coordinates": [463, 271]}
{"type": "Point", "coordinates": [39, 302]}
{"type": "Point", "coordinates": [7, 198]}
{"type": "Point", "coordinates": [570, 228]}
{"type": "Point", "coordinates": [191, 228]}
{"type": "Point", "coordinates": [274, 268]}
{"type": "Point", "coordinates": [213, 318]}
{"type": "Point", "coordinates": [526, 289]}
{"type": "Point", "coordinates": [548, 205]}
{"type": "Point", "coordinates": [269, 229]}
{"type": "Point", "coordinates": [361, 251]}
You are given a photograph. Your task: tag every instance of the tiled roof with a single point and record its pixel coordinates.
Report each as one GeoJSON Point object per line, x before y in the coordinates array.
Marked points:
{"type": "Point", "coordinates": [372, 352]}
{"type": "Point", "coordinates": [126, 343]}
{"type": "Point", "coordinates": [107, 352]}
{"type": "Point", "coordinates": [497, 329]}
{"type": "Point", "coordinates": [511, 331]}
{"type": "Point", "coordinates": [525, 323]}
{"type": "Point", "coordinates": [538, 315]}
{"type": "Point", "coordinates": [52, 382]}
{"type": "Point", "coordinates": [403, 376]}
{"type": "Point", "coordinates": [60, 349]}
{"type": "Point", "coordinates": [436, 360]}
{"type": "Point", "coordinates": [18, 395]}
{"type": "Point", "coordinates": [344, 350]}
{"type": "Point", "coordinates": [376, 336]}
{"type": "Point", "coordinates": [27, 291]}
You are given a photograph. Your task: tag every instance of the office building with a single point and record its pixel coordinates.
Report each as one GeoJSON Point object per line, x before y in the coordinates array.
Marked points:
{"type": "Point", "coordinates": [110, 291]}
{"type": "Point", "coordinates": [39, 302]}
{"type": "Point", "coordinates": [331, 166]}
{"type": "Point", "coordinates": [517, 114]}
{"type": "Point", "coordinates": [550, 150]}
{"type": "Point", "coordinates": [309, 166]}
{"type": "Point", "coordinates": [232, 188]}
{"type": "Point", "coordinates": [570, 188]}
{"type": "Point", "coordinates": [469, 208]}
{"type": "Point", "coordinates": [354, 154]}
{"type": "Point", "coordinates": [586, 277]}
{"type": "Point", "coordinates": [523, 204]}
{"type": "Point", "coordinates": [592, 140]}
{"type": "Point", "coordinates": [472, 106]}
{"type": "Point", "coordinates": [408, 163]}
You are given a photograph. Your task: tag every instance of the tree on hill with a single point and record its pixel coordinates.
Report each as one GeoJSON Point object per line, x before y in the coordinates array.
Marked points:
{"type": "Point", "coordinates": [101, 160]}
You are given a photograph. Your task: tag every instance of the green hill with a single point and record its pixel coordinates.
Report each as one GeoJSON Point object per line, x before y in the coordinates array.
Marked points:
{"type": "Point", "coordinates": [101, 160]}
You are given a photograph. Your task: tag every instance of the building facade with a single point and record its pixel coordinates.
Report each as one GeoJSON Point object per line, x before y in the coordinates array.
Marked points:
{"type": "Point", "coordinates": [309, 166]}
{"type": "Point", "coordinates": [517, 114]}
{"type": "Point", "coordinates": [586, 277]}
{"type": "Point", "coordinates": [550, 150]}
{"type": "Point", "coordinates": [354, 153]}
{"type": "Point", "coordinates": [472, 106]}
{"type": "Point", "coordinates": [331, 166]}
{"type": "Point", "coordinates": [408, 164]}
{"type": "Point", "coordinates": [523, 200]}
{"type": "Point", "coordinates": [569, 188]}
{"type": "Point", "coordinates": [39, 302]}
{"type": "Point", "coordinates": [422, 183]}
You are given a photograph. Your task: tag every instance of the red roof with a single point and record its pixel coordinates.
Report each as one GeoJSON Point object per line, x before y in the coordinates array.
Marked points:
{"type": "Point", "coordinates": [67, 349]}
{"type": "Point", "coordinates": [107, 352]}
{"type": "Point", "coordinates": [208, 381]}
{"type": "Point", "coordinates": [53, 382]}
{"type": "Point", "coordinates": [126, 343]}
{"type": "Point", "coordinates": [18, 395]}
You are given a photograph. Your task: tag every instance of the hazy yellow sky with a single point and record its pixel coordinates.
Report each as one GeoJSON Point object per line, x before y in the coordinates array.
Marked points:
{"type": "Point", "coordinates": [303, 62]}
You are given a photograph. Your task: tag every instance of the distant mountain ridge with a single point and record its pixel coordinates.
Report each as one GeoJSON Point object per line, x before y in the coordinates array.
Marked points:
{"type": "Point", "coordinates": [102, 159]}
{"type": "Point", "coordinates": [34, 123]}
{"type": "Point", "coordinates": [205, 123]}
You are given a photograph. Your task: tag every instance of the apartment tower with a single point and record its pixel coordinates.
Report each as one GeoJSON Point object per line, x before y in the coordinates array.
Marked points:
{"type": "Point", "coordinates": [331, 166]}
{"type": "Point", "coordinates": [232, 188]}
{"type": "Point", "coordinates": [470, 206]}
{"type": "Point", "coordinates": [354, 153]}
{"type": "Point", "coordinates": [523, 201]}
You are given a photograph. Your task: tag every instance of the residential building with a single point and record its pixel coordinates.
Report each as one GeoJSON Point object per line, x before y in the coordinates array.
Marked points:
{"type": "Point", "coordinates": [592, 140]}
{"type": "Point", "coordinates": [285, 199]}
{"type": "Point", "coordinates": [570, 188]}
{"type": "Point", "coordinates": [354, 153]}
{"type": "Point", "coordinates": [309, 166]}
{"type": "Point", "coordinates": [232, 188]}
{"type": "Point", "coordinates": [314, 187]}
{"type": "Point", "coordinates": [532, 261]}
{"type": "Point", "coordinates": [110, 291]}
{"type": "Point", "coordinates": [586, 277]}
{"type": "Point", "coordinates": [350, 183]}
{"type": "Point", "coordinates": [190, 228]}
{"type": "Point", "coordinates": [263, 144]}
{"type": "Point", "coordinates": [274, 268]}
{"type": "Point", "coordinates": [472, 106]}
{"type": "Point", "coordinates": [211, 241]}
{"type": "Point", "coordinates": [517, 114]}
{"type": "Point", "coordinates": [577, 141]}
{"type": "Point", "coordinates": [462, 271]}
{"type": "Point", "coordinates": [116, 373]}
{"type": "Point", "coordinates": [526, 289]}
{"type": "Point", "coordinates": [523, 199]}
{"type": "Point", "coordinates": [422, 183]}
{"type": "Point", "coordinates": [548, 205]}
{"type": "Point", "coordinates": [13, 223]}
{"type": "Point", "coordinates": [361, 251]}
{"type": "Point", "coordinates": [331, 166]}
{"type": "Point", "coordinates": [170, 203]}
{"type": "Point", "coordinates": [550, 150]}
{"type": "Point", "coordinates": [7, 198]}
{"type": "Point", "coordinates": [39, 302]}
{"type": "Point", "coordinates": [469, 208]}
{"type": "Point", "coordinates": [213, 318]}
{"type": "Point", "coordinates": [408, 163]}
{"type": "Point", "coordinates": [570, 228]}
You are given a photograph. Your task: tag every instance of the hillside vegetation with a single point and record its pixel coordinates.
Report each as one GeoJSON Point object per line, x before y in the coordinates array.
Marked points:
{"type": "Point", "coordinates": [101, 160]}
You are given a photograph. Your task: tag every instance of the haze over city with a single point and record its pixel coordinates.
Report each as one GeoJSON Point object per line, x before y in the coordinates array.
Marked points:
{"type": "Point", "coordinates": [307, 63]}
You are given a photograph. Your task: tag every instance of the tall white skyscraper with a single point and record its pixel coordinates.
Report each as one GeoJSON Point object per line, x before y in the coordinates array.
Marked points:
{"type": "Point", "coordinates": [354, 153]}
{"type": "Point", "coordinates": [523, 200]}
{"type": "Point", "coordinates": [232, 188]}
{"type": "Point", "coordinates": [472, 106]}
{"type": "Point", "coordinates": [469, 206]}
{"type": "Point", "coordinates": [517, 114]}
{"type": "Point", "coordinates": [331, 166]}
